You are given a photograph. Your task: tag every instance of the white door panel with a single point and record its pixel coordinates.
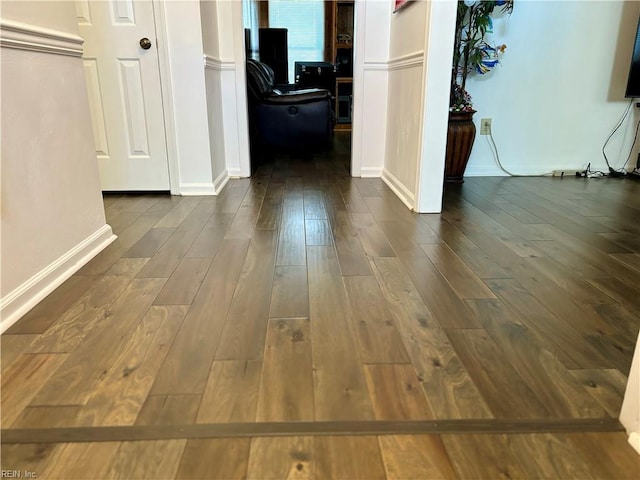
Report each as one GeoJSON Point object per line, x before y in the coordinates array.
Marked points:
{"type": "Point", "coordinates": [123, 84]}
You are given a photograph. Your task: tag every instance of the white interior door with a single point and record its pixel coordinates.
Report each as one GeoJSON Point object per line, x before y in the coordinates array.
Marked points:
{"type": "Point", "coordinates": [123, 82]}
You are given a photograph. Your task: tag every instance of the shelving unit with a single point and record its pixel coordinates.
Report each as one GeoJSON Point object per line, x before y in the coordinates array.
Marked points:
{"type": "Point", "coordinates": [342, 51]}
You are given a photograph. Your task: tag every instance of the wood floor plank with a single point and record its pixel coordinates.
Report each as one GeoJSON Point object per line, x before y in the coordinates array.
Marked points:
{"type": "Point", "coordinates": [286, 391]}
{"type": "Point", "coordinates": [629, 259]}
{"type": "Point", "coordinates": [366, 186]}
{"type": "Point", "coordinates": [376, 334]}
{"type": "Point", "coordinates": [626, 240]}
{"type": "Point", "coordinates": [579, 290]}
{"type": "Point", "coordinates": [569, 259]}
{"type": "Point", "coordinates": [75, 461]}
{"type": "Point", "coordinates": [74, 381]}
{"type": "Point", "coordinates": [291, 240]}
{"type": "Point", "coordinates": [120, 395]}
{"type": "Point", "coordinates": [245, 329]}
{"type": "Point", "coordinates": [483, 266]}
{"type": "Point", "coordinates": [30, 457]}
{"type": "Point", "coordinates": [318, 232]}
{"type": "Point", "coordinates": [351, 255]}
{"type": "Point", "coordinates": [590, 254]}
{"type": "Point", "coordinates": [483, 457]}
{"type": "Point", "coordinates": [198, 217]}
{"type": "Point", "coordinates": [314, 205]}
{"type": "Point", "coordinates": [158, 460]}
{"type": "Point", "coordinates": [449, 388]}
{"type": "Point", "coordinates": [339, 384]}
{"type": "Point", "coordinates": [12, 346]}
{"type": "Point", "coordinates": [126, 239]}
{"type": "Point", "coordinates": [623, 320]}
{"type": "Point", "coordinates": [448, 309]}
{"type": "Point", "coordinates": [609, 455]}
{"type": "Point", "coordinates": [352, 198]}
{"type": "Point", "coordinates": [622, 292]}
{"type": "Point", "coordinates": [47, 417]}
{"type": "Point", "coordinates": [501, 386]}
{"type": "Point", "coordinates": [274, 458]}
{"type": "Point", "coordinates": [546, 455]}
{"type": "Point", "coordinates": [127, 267]}
{"type": "Point", "coordinates": [270, 215]}
{"type": "Point", "coordinates": [207, 243]}
{"type": "Point", "coordinates": [89, 312]}
{"type": "Point", "coordinates": [184, 282]}
{"type": "Point", "coordinates": [290, 292]}
{"type": "Point", "coordinates": [607, 386]}
{"type": "Point", "coordinates": [225, 458]}
{"type": "Point", "coordinates": [22, 381]}
{"type": "Point", "coordinates": [242, 226]}
{"type": "Point", "coordinates": [188, 362]}
{"type": "Point", "coordinates": [461, 278]}
{"type": "Point", "coordinates": [46, 312]}
{"type": "Point", "coordinates": [555, 332]}
{"type": "Point", "coordinates": [373, 240]}
{"type": "Point", "coordinates": [387, 207]}
{"type": "Point", "coordinates": [179, 213]}
{"type": "Point", "coordinates": [150, 243]}
{"type": "Point", "coordinates": [395, 393]}
{"type": "Point", "coordinates": [415, 456]}
{"type": "Point", "coordinates": [356, 458]}
{"type": "Point", "coordinates": [165, 261]}
{"type": "Point", "coordinates": [169, 410]}
{"type": "Point", "coordinates": [549, 380]}
{"type": "Point", "coordinates": [231, 393]}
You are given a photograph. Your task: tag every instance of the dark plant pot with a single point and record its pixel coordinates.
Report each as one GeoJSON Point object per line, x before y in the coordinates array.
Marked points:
{"type": "Point", "coordinates": [460, 137]}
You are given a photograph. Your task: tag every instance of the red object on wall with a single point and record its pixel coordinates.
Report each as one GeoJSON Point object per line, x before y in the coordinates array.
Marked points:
{"type": "Point", "coordinates": [398, 4]}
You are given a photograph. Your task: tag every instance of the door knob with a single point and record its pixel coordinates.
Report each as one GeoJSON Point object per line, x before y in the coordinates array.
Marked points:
{"type": "Point", "coordinates": [145, 43]}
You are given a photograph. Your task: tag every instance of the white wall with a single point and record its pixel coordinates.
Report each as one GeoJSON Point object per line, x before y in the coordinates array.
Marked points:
{"type": "Point", "coordinates": [370, 87]}
{"type": "Point", "coordinates": [630, 413]}
{"type": "Point", "coordinates": [188, 108]}
{"type": "Point", "coordinates": [560, 89]}
{"type": "Point", "coordinates": [230, 77]}
{"type": "Point", "coordinates": [52, 214]}
{"type": "Point", "coordinates": [213, 80]}
{"type": "Point", "coordinates": [436, 86]}
{"type": "Point", "coordinates": [405, 100]}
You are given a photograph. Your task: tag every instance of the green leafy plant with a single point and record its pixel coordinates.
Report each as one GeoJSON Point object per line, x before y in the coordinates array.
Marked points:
{"type": "Point", "coordinates": [471, 51]}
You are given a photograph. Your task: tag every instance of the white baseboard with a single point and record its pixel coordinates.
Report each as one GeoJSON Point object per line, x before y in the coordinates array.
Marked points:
{"type": "Point", "coordinates": [192, 189]}
{"type": "Point", "coordinates": [371, 172]}
{"type": "Point", "coordinates": [483, 171]}
{"type": "Point", "coordinates": [221, 181]}
{"type": "Point", "coordinates": [399, 189]}
{"type": "Point", "coordinates": [634, 441]}
{"type": "Point", "coordinates": [22, 299]}
{"type": "Point", "coordinates": [234, 172]}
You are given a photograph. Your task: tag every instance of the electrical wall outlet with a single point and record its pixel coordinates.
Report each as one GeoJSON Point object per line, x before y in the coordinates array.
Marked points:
{"type": "Point", "coordinates": [485, 126]}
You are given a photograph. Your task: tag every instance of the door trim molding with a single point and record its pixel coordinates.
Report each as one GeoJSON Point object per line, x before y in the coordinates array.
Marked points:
{"type": "Point", "coordinates": [170, 133]}
{"type": "Point", "coordinates": [23, 36]}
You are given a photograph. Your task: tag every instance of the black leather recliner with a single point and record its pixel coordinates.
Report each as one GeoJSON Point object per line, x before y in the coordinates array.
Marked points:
{"type": "Point", "coordinates": [300, 119]}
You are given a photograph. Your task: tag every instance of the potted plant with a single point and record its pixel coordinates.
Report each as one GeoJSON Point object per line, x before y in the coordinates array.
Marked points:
{"type": "Point", "coordinates": [471, 53]}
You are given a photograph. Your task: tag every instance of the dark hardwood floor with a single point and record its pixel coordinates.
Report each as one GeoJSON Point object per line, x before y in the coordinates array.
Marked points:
{"type": "Point", "coordinates": [306, 324]}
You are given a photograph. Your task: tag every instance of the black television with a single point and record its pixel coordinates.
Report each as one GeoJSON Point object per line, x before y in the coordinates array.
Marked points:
{"type": "Point", "coordinates": [633, 83]}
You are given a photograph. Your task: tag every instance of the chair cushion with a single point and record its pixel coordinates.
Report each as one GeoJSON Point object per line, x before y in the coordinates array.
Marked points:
{"type": "Point", "coordinates": [259, 80]}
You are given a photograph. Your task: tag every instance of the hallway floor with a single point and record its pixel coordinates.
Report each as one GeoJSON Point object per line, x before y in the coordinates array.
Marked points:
{"type": "Point", "coordinates": [306, 324]}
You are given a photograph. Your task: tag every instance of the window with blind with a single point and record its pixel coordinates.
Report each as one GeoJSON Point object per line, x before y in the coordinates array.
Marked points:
{"type": "Point", "coordinates": [304, 20]}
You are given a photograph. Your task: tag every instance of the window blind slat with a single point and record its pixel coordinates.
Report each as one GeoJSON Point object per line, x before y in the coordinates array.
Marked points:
{"type": "Point", "coordinates": [304, 20]}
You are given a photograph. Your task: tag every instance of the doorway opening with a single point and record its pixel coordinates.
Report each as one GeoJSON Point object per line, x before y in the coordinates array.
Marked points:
{"type": "Point", "coordinates": [304, 46]}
